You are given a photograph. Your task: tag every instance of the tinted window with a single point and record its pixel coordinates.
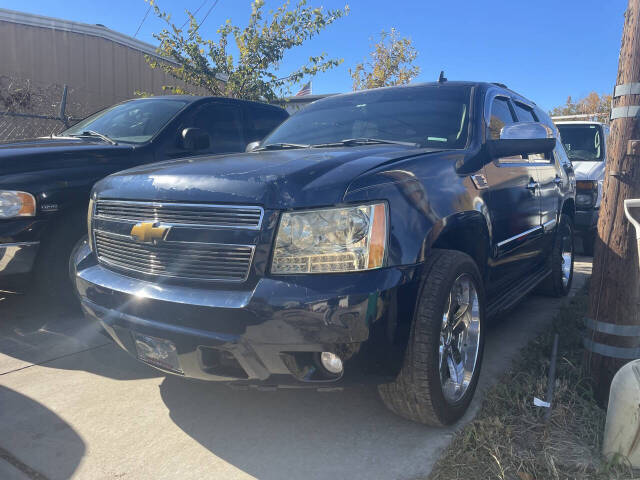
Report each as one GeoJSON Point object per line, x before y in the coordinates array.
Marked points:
{"type": "Point", "coordinates": [135, 121]}
{"type": "Point", "coordinates": [583, 142]}
{"type": "Point", "coordinates": [262, 121]}
{"type": "Point", "coordinates": [426, 115]}
{"type": "Point", "coordinates": [524, 113]}
{"type": "Point", "coordinates": [223, 124]}
{"type": "Point", "coordinates": [500, 116]}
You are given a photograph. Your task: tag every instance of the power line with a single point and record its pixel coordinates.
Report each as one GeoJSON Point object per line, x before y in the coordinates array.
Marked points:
{"type": "Point", "coordinates": [194, 13]}
{"type": "Point", "coordinates": [143, 19]}
{"type": "Point", "coordinates": [205, 17]}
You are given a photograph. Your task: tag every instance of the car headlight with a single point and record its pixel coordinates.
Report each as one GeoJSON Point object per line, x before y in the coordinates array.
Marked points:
{"type": "Point", "coordinates": [347, 239]}
{"type": "Point", "coordinates": [586, 193]}
{"type": "Point", "coordinates": [16, 204]}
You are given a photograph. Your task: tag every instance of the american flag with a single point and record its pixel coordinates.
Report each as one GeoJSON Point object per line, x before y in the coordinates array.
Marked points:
{"type": "Point", "coordinates": [305, 90]}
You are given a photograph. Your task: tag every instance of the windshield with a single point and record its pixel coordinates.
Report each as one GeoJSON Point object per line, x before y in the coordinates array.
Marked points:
{"type": "Point", "coordinates": [429, 116]}
{"type": "Point", "coordinates": [135, 121]}
{"type": "Point", "coordinates": [583, 142]}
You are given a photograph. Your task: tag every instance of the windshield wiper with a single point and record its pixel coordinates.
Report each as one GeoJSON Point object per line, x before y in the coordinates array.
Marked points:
{"type": "Point", "coordinates": [92, 133]}
{"type": "Point", "coordinates": [347, 142]}
{"type": "Point", "coordinates": [280, 146]}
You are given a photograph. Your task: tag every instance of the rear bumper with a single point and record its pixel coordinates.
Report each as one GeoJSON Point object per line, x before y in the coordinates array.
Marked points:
{"type": "Point", "coordinates": [17, 258]}
{"type": "Point", "coordinates": [271, 334]}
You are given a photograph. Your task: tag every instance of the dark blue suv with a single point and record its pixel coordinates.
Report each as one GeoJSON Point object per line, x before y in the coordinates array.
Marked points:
{"type": "Point", "coordinates": [370, 236]}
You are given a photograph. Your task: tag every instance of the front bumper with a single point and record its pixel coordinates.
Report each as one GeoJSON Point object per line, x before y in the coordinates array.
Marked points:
{"type": "Point", "coordinates": [586, 220]}
{"type": "Point", "coordinates": [271, 334]}
{"type": "Point", "coordinates": [17, 258]}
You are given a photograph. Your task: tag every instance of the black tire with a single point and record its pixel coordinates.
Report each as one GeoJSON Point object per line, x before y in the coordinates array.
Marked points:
{"type": "Point", "coordinates": [417, 393]}
{"type": "Point", "coordinates": [52, 266]}
{"type": "Point", "coordinates": [588, 242]}
{"type": "Point", "coordinates": [556, 284]}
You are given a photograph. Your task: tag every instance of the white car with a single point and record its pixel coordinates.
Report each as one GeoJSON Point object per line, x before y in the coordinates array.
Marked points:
{"type": "Point", "coordinates": [586, 146]}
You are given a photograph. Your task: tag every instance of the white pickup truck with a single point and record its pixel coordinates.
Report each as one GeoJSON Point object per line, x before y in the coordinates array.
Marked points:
{"type": "Point", "coordinates": [586, 146]}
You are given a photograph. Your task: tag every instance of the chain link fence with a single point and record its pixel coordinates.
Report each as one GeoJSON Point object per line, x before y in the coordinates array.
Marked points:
{"type": "Point", "coordinates": [29, 109]}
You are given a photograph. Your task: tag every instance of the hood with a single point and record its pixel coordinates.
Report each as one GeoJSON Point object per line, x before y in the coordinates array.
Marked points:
{"type": "Point", "coordinates": [588, 170]}
{"type": "Point", "coordinates": [274, 179]}
{"type": "Point", "coordinates": [44, 153]}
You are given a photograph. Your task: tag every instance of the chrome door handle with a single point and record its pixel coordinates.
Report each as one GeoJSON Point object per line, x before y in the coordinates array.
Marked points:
{"type": "Point", "coordinates": [558, 181]}
{"type": "Point", "coordinates": [533, 185]}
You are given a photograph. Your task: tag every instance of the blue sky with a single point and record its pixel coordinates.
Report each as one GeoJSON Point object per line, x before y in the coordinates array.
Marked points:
{"type": "Point", "coordinates": [544, 49]}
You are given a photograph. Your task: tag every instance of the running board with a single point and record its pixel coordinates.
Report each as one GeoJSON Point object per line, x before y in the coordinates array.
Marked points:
{"type": "Point", "coordinates": [515, 294]}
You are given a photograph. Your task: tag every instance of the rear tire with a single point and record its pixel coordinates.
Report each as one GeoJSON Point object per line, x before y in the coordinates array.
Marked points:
{"type": "Point", "coordinates": [427, 389]}
{"type": "Point", "coordinates": [52, 266]}
{"type": "Point", "coordinates": [558, 283]}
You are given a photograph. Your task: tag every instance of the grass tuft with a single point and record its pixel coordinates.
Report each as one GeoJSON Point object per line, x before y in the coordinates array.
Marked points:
{"type": "Point", "coordinates": [509, 439]}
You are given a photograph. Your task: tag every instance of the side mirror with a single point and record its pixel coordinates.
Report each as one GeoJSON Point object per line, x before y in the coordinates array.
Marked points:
{"type": "Point", "coordinates": [523, 138]}
{"type": "Point", "coordinates": [194, 139]}
{"type": "Point", "coordinates": [252, 146]}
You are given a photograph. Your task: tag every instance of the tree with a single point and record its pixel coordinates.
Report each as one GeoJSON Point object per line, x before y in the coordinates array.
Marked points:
{"type": "Point", "coordinates": [615, 282]}
{"type": "Point", "coordinates": [391, 63]}
{"type": "Point", "coordinates": [591, 104]}
{"type": "Point", "coordinates": [253, 73]}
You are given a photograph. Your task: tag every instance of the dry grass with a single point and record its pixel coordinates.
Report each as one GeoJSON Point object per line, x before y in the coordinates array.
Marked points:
{"type": "Point", "coordinates": [509, 438]}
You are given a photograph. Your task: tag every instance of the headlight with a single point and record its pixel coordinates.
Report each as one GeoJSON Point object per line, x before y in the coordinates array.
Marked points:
{"type": "Point", "coordinates": [16, 204]}
{"type": "Point", "coordinates": [348, 239]}
{"type": "Point", "coordinates": [586, 193]}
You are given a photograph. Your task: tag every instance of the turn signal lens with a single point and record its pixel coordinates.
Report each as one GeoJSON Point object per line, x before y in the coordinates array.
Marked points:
{"type": "Point", "coordinates": [587, 185]}
{"type": "Point", "coordinates": [378, 241]}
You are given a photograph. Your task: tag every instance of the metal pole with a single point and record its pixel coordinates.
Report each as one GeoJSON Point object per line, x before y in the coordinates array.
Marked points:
{"type": "Point", "coordinates": [551, 381]}
{"type": "Point", "coordinates": [63, 107]}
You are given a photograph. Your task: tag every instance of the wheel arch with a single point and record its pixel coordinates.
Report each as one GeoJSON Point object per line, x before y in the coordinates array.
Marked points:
{"type": "Point", "coordinates": [465, 232]}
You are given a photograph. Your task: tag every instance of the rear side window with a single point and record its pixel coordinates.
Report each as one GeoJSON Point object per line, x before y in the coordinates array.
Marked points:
{"type": "Point", "coordinates": [262, 121]}
{"type": "Point", "coordinates": [525, 114]}
{"type": "Point", "coordinates": [501, 116]}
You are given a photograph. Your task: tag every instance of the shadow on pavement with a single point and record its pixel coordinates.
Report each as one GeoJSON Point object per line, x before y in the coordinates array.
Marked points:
{"type": "Point", "coordinates": [34, 330]}
{"type": "Point", "coordinates": [302, 433]}
{"type": "Point", "coordinates": [28, 426]}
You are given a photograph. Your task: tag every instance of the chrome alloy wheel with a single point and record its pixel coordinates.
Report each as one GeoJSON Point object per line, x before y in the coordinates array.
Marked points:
{"type": "Point", "coordinates": [567, 258]}
{"type": "Point", "coordinates": [459, 339]}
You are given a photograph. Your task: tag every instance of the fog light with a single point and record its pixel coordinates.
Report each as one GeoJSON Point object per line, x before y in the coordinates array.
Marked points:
{"type": "Point", "coordinates": [331, 362]}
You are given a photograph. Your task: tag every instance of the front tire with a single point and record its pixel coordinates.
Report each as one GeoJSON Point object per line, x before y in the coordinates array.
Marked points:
{"type": "Point", "coordinates": [588, 242]}
{"type": "Point", "coordinates": [444, 354]}
{"type": "Point", "coordinates": [52, 266]}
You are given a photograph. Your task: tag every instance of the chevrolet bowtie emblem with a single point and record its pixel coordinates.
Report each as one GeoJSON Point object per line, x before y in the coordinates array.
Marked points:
{"type": "Point", "coordinates": [147, 232]}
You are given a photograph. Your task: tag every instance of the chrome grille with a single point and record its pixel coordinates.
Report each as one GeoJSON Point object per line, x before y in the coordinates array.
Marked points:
{"type": "Point", "coordinates": [186, 260]}
{"type": "Point", "coordinates": [176, 214]}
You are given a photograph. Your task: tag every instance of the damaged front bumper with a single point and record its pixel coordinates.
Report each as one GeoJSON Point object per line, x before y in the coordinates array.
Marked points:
{"type": "Point", "coordinates": [270, 334]}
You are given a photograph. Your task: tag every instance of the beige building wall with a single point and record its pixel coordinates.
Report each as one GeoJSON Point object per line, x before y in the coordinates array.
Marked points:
{"type": "Point", "coordinates": [100, 66]}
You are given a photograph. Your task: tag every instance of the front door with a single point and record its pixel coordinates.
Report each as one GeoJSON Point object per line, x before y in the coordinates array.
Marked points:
{"type": "Point", "coordinates": [514, 204]}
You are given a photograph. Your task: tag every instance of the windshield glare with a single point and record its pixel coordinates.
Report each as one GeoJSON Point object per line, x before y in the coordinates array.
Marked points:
{"type": "Point", "coordinates": [430, 116]}
{"type": "Point", "coordinates": [136, 121]}
{"type": "Point", "coordinates": [582, 142]}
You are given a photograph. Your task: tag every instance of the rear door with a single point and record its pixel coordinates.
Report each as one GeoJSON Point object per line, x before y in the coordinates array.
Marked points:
{"type": "Point", "coordinates": [514, 207]}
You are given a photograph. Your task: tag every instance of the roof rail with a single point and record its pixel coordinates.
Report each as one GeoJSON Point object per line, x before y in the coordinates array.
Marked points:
{"type": "Point", "coordinates": [499, 84]}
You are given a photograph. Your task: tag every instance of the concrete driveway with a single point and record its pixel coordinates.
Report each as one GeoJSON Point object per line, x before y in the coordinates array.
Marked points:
{"type": "Point", "coordinates": [72, 405]}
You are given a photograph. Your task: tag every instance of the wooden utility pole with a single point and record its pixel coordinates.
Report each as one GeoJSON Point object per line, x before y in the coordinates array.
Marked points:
{"type": "Point", "coordinates": [613, 335]}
